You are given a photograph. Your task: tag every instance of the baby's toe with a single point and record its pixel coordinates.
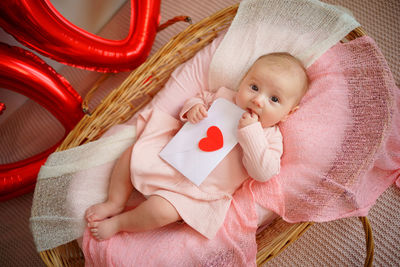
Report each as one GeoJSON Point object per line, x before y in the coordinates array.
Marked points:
{"type": "Point", "coordinates": [91, 217]}
{"type": "Point", "coordinates": [96, 235]}
{"type": "Point", "coordinates": [92, 225]}
{"type": "Point", "coordinates": [89, 214]}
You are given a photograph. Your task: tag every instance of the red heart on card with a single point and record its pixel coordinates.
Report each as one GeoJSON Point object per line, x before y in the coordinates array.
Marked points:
{"type": "Point", "coordinates": [213, 141]}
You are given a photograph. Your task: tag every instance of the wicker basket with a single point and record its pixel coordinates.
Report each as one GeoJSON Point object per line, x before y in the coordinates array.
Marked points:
{"type": "Point", "coordinates": [135, 92]}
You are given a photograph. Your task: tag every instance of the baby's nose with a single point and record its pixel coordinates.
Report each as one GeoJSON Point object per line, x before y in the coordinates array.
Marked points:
{"type": "Point", "coordinates": [258, 100]}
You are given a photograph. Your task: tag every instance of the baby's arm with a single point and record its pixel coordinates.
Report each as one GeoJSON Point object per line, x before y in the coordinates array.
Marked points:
{"type": "Point", "coordinates": [196, 113]}
{"type": "Point", "coordinates": [195, 109]}
{"type": "Point", "coordinates": [262, 150]}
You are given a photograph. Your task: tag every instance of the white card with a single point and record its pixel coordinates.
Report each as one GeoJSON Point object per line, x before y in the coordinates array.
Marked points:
{"type": "Point", "coordinates": [183, 151]}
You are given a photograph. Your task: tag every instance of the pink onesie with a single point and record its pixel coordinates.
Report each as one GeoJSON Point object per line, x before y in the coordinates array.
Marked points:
{"type": "Point", "coordinates": [202, 207]}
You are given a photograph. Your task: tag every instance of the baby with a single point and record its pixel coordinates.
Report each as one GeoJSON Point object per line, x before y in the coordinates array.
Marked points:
{"type": "Point", "coordinates": [270, 91]}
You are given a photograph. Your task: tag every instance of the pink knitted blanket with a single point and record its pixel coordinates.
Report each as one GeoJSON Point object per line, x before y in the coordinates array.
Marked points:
{"type": "Point", "coordinates": [341, 151]}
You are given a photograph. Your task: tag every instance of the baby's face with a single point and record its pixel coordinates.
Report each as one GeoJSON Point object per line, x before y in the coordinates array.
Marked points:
{"type": "Point", "coordinates": [271, 91]}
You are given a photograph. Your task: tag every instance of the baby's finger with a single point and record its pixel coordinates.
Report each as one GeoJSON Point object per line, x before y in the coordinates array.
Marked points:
{"type": "Point", "coordinates": [192, 118]}
{"type": "Point", "coordinates": [254, 116]}
{"type": "Point", "coordinates": [199, 117]}
{"type": "Point", "coordinates": [203, 111]}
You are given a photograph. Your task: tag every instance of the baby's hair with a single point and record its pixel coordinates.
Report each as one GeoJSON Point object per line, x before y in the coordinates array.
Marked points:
{"type": "Point", "coordinates": [287, 56]}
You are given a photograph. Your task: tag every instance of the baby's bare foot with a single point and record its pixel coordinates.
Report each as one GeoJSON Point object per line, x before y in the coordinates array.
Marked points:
{"type": "Point", "coordinates": [102, 211]}
{"type": "Point", "coordinates": [105, 229]}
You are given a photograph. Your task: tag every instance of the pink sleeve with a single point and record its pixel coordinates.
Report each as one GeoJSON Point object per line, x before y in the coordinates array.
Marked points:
{"type": "Point", "coordinates": [262, 150]}
{"type": "Point", "coordinates": [186, 81]}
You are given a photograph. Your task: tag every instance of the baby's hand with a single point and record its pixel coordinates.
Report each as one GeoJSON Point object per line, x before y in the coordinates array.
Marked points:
{"type": "Point", "coordinates": [196, 113]}
{"type": "Point", "coordinates": [247, 119]}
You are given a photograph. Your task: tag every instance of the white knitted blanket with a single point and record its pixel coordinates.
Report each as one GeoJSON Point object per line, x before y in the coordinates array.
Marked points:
{"type": "Point", "coordinates": [57, 214]}
{"type": "Point", "coordinates": [304, 28]}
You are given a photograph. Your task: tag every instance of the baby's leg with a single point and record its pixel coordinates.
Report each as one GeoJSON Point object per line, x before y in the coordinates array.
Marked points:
{"type": "Point", "coordinates": [119, 191]}
{"type": "Point", "coordinates": [153, 213]}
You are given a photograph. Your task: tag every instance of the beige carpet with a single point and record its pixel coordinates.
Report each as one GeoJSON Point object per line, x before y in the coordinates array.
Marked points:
{"type": "Point", "coordinates": [330, 244]}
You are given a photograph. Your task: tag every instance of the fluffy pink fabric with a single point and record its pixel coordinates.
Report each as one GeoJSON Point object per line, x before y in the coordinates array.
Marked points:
{"type": "Point", "coordinates": [341, 151]}
{"type": "Point", "coordinates": [180, 245]}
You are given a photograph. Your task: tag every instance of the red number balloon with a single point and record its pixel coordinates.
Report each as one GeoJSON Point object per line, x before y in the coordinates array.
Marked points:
{"type": "Point", "coordinates": [25, 73]}
{"type": "Point", "coordinates": [38, 25]}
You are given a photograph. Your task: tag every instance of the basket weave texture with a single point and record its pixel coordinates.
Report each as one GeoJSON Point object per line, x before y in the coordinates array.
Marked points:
{"type": "Point", "coordinates": [138, 90]}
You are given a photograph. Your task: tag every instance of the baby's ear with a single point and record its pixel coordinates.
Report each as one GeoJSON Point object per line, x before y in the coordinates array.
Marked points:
{"type": "Point", "coordinates": [293, 110]}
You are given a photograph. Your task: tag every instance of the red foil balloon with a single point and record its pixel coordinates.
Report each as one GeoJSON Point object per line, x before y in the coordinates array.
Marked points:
{"type": "Point", "coordinates": [2, 107]}
{"type": "Point", "coordinates": [38, 25]}
{"type": "Point", "coordinates": [25, 73]}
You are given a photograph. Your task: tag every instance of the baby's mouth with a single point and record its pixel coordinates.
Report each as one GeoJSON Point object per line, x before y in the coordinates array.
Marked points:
{"type": "Point", "coordinates": [249, 110]}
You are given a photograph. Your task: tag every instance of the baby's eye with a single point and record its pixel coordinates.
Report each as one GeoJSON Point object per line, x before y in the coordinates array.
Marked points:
{"type": "Point", "coordinates": [274, 99]}
{"type": "Point", "coordinates": [254, 87]}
